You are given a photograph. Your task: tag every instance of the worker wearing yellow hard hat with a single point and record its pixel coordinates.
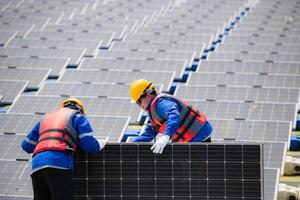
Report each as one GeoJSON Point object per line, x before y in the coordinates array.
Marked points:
{"type": "Point", "coordinates": [173, 117]}
{"type": "Point", "coordinates": [53, 142]}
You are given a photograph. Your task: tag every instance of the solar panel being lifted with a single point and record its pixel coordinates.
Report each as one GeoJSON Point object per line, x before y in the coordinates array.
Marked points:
{"type": "Point", "coordinates": [183, 171]}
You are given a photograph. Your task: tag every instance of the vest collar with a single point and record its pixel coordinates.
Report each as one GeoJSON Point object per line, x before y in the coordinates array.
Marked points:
{"type": "Point", "coordinates": [149, 105]}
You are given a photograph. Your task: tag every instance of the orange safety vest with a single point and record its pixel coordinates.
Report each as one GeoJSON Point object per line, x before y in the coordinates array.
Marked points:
{"type": "Point", "coordinates": [191, 119]}
{"type": "Point", "coordinates": [57, 133]}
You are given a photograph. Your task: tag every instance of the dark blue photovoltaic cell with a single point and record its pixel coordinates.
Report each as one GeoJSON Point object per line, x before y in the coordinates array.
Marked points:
{"type": "Point", "coordinates": [188, 171]}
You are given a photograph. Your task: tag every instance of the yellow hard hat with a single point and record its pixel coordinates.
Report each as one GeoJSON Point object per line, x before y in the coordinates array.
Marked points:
{"type": "Point", "coordinates": [140, 87]}
{"type": "Point", "coordinates": [74, 102]}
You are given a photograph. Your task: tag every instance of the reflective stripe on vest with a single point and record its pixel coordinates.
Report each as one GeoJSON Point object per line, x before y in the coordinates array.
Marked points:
{"type": "Point", "coordinates": [191, 119]}
{"type": "Point", "coordinates": [57, 132]}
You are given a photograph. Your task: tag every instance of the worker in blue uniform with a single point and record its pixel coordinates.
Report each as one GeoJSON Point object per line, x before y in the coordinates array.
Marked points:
{"type": "Point", "coordinates": [177, 120]}
{"type": "Point", "coordinates": [53, 142]}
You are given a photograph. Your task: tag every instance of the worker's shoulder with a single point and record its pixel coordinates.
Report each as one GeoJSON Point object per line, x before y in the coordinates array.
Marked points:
{"type": "Point", "coordinates": [79, 118]}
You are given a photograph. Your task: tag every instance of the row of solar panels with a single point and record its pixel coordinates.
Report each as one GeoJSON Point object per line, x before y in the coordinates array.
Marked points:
{"type": "Point", "coordinates": [247, 111]}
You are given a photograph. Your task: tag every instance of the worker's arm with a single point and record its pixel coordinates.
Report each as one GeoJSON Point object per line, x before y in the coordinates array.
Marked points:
{"type": "Point", "coordinates": [147, 136]}
{"type": "Point", "coordinates": [30, 141]}
{"type": "Point", "coordinates": [169, 110]}
{"type": "Point", "coordinates": [87, 141]}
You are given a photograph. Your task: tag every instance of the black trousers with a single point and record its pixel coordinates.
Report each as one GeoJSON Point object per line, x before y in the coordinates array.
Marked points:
{"type": "Point", "coordinates": [52, 184]}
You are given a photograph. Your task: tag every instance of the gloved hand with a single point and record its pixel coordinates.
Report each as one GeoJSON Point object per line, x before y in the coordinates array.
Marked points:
{"type": "Point", "coordinates": [160, 144]}
{"type": "Point", "coordinates": [102, 143]}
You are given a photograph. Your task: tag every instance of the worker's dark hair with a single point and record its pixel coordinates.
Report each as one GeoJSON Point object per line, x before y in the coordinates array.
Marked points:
{"type": "Point", "coordinates": [153, 92]}
{"type": "Point", "coordinates": [72, 105]}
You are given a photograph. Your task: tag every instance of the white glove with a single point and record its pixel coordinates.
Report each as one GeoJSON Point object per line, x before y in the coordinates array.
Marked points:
{"type": "Point", "coordinates": [102, 143]}
{"type": "Point", "coordinates": [160, 144]}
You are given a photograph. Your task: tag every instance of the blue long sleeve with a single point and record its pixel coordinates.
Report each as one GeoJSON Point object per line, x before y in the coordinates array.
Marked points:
{"type": "Point", "coordinates": [88, 143]}
{"type": "Point", "coordinates": [30, 142]}
{"type": "Point", "coordinates": [147, 136]}
{"type": "Point", "coordinates": [170, 111]}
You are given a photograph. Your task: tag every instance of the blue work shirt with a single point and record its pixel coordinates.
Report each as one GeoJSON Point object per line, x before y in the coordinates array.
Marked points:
{"type": "Point", "coordinates": [59, 159]}
{"type": "Point", "coordinates": [169, 110]}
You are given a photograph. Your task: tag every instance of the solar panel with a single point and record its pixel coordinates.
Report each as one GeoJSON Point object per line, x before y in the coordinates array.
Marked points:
{"type": "Point", "coordinates": [15, 198]}
{"type": "Point", "coordinates": [160, 46]}
{"type": "Point", "coordinates": [119, 30]}
{"type": "Point", "coordinates": [117, 76]}
{"type": "Point", "coordinates": [94, 106]}
{"type": "Point", "coordinates": [12, 124]}
{"type": "Point", "coordinates": [15, 179]}
{"type": "Point", "coordinates": [6, 36]}
{"type": "Point", "coordinates": [42, 10]}
{"type": "Point", "coordinates": [105, 37]}
{"type": "Point", "coordinates": [99, 20]}
{"type": "Point", "coordinates": [25, 74]}
{"type": "Point", "coordinates": [36, 13]}
{"type": "Point", "coordinates": [262, 39]}
{"type": "Point", "coordinates": [38, 22]}
{"type": "Point", "coordinates": [148, 54]}
{"type": "Point", "coordinates": [136, 64]}
{"type": "Point", "coordinates": [188, 171]}
{"type": "Point", "coordinates": [273, 152]}
{"type": "Point", "coordinates": [87, 89]}
{"type": "Point", "coordinates": [248, 111]}
{"type": "Point", "coordinates": [55, 64]}
{"type": "Point", "coordinates": [251, 130]}
{"type": "Point", "coordinates": [21, 29]}
{"type": "Point", "coordinates": [55, 6]}
{"type": "Point", "coordinates": [249, 67]}
{"type": "Point", "coordinates": [91, 47]}
{"type": "Point", "coordinates": [181, 15]}
{"type": "Point", "coordinates": [186, 24]}
{"type": "Point", "coordinates": [258, 48]}
{"type": "Point", "coordinates": [74, 54]}
{"type": "Point", "coordinates": [267, 31]}
{"type": "Point", "coordinates": [179, 38]}
{"type": "Point", "coordinates": [111, 127]}
{"type": "Point", "coordinates": [11, 148]}
{"type": "Point", "coordinates": [240, 94]}
{"type": "Point", "coordinates": [197, 21]}
{"type": "Point", "coordinates": [231, 79]}
{"type": "Point", "coordinates": [276, 154]}
{"type": "Point", "coordinates": [263, 32]}
{"type": "Point", "coordinates": [10, 89]}
{"type": "Point", "coordinates": [271, 181]}
{"type": "Point", "coordinates": [170, 30]}
{"type": "Point", "coordinates": [279, 26]}
{"type": "Point", "coordinates": [263, 57]}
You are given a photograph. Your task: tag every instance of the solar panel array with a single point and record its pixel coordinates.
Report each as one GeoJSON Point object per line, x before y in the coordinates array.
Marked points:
{"type": "Point", "coordinates": [246, 82]}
